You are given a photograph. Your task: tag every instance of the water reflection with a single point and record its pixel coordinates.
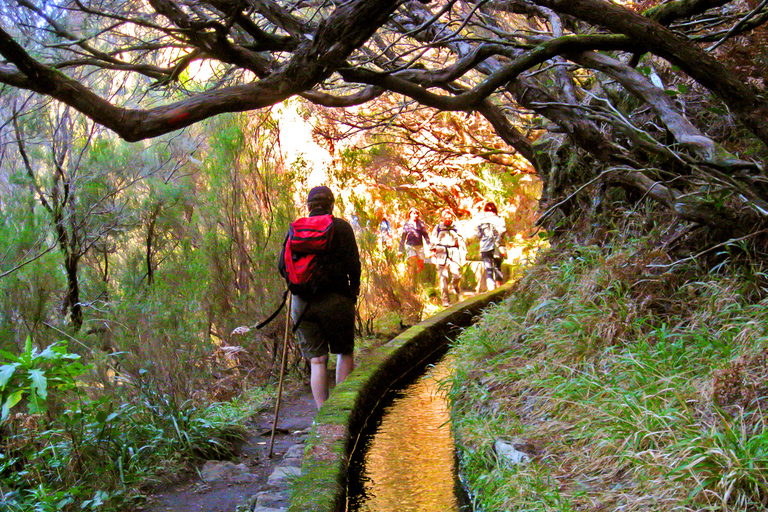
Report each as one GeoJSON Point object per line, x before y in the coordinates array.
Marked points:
{"type": "Point", "coordinates": [409, 463]}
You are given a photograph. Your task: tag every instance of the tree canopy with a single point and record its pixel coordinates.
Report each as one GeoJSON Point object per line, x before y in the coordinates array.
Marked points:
{"type": "Point", "coordinates": [666, 100]}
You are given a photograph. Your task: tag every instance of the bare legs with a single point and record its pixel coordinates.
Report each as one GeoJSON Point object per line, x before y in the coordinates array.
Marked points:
{"type": "Point", "coordinates": [345, 363]}
{"type": "Point", "coordinates": [318, 379]}
{"type": "Point", "coordinates": [449, 275]}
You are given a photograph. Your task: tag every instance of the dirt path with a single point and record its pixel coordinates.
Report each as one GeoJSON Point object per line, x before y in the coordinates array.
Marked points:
{"type": "Point", "coordinates": [227, 493]}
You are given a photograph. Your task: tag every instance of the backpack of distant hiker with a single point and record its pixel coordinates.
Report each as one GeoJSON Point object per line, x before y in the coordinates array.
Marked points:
{"type": "Point", "coordinates": [306, 255]}
{"type": "Point", "coordinates": [489, 235]}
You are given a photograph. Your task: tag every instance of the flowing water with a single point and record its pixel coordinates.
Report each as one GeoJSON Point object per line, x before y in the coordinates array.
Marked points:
{"type": "Point", "coordinates": [408, 464]}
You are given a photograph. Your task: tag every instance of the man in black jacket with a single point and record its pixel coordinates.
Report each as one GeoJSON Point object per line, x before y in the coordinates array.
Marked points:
{"type": "Point", "coordinates": [326, 320]}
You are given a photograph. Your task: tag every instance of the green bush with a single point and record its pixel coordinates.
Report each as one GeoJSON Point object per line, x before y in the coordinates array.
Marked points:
{"type": "Point", "coordinates": [33, 373]}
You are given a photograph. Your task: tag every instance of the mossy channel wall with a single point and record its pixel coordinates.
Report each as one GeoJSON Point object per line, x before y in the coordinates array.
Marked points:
{"type": "Point", "coordinates": [323, 481]}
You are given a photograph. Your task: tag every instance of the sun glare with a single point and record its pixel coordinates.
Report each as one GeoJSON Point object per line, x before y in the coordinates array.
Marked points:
{"type": "Point", "coordinates": [298, 146]}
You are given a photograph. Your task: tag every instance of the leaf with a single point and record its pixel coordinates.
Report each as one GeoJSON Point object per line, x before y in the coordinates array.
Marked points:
{"type": "Point", "coordinates": [39, 384]}
{"type": "Point", "coordinates": [8, 356]}
{"type": "Point", "coordinates": [12, 400]}
{"type": "Point", "coordinates": [6, 372]}
{"type": "Point", "coordinates": [101, 417]}
{"type": "Point", "coordinates": [49, 353]}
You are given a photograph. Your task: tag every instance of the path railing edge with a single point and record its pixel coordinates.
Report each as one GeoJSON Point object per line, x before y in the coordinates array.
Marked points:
{"type": "Point", "coordinates": [321, 487]}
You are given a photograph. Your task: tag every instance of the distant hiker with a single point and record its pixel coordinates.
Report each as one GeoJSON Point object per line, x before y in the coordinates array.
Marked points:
{"type": "Point", "coordinates": [491, 230]}
{"type": "Point", "coordinates": [412, 241]}
{"type": "Point", "coordinates": [379, 219]}
{"type": "Point", "coordinates": [355, 223]}
{"type": "Point", "coordinates": [385, 234]}
{"type": "Point", "coordinates": [323, 310]}
{"type": "Point", "coordinates": [449, 252]}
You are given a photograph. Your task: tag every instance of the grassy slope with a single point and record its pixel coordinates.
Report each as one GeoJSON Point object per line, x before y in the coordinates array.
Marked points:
{"type": "Point", "coordinates": [634, 384]}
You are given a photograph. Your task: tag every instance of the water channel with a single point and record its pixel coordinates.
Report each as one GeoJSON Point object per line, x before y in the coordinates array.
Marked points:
{"type": "Point", "coordinates": [405, 460]}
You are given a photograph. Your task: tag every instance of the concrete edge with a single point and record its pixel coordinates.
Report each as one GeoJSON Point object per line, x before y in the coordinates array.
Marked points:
{"type": "Point", "coordinates": [321, 487]}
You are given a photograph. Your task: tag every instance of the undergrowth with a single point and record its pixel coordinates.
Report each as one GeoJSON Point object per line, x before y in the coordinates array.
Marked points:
{"type": "Point", "coordinates": [75, 448]}
{"type": "Point", "coordinates": [634, 384]}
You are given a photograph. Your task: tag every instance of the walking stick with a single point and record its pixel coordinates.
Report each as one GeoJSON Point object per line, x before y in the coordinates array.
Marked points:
{"type": "Point", "coordinates": [282, 375]}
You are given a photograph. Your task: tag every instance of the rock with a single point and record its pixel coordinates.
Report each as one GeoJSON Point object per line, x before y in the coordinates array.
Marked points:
{"type": "Point", "coordinates": [225, 471]}
{"type": "Point", "coordinates": [295, 452]}
{"type": "Point", "coordinates": [283, 473]}
{"type": "Point", "coordinates": [272, 500]}
{"type": "Point", "coordinates": [508, 452]}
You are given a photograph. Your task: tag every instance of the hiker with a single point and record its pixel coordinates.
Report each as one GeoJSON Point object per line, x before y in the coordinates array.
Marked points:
{"type": "Point", "coordinates": [449, 252]}
{"type": "Point", "coordinates": [491, 230]}
{"type": "Point", "coordinates": [325, 318]}
{"type": "Point", "coordinates": [412, 242]}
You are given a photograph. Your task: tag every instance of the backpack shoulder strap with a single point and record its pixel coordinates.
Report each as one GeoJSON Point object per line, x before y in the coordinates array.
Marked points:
{"type": "Point", "coordinates": [273, 315]}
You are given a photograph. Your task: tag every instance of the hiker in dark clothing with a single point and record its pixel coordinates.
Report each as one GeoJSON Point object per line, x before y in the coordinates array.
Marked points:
{"type": "Point", "coordinates": [412, 241]}
{"type": "Point", "coordinates": [326, 320]}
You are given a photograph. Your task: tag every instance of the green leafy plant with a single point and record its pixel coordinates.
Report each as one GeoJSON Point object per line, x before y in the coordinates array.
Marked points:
{"type": "Point", "coordinates": [33, 373]}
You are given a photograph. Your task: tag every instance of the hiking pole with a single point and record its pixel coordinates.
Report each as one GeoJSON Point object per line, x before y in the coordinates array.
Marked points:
{"type": "Point", "coordinates": [282, 374]}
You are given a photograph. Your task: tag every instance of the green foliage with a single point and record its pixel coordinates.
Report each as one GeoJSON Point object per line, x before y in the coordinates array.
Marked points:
{"type": "Point", "coordinates": [32, 374]}
{"type": "Point", "coordinates": [95, 455]}
{"type": "Point", "coordinates": [203, 210]}
{"type": "Point", "coordinates": [29, 268]}
{"type": "Point", "coordinates": [43, 499]}
{"type": "Point", "coordinates": [27, 297]}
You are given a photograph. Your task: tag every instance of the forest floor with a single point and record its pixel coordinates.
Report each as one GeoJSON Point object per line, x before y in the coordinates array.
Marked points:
{"type": "Point", "coordinates": [190, 493]}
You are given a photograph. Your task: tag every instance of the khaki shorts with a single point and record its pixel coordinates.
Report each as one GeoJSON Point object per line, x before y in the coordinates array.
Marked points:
{"type": "Point", "coordinates": [328, 325]}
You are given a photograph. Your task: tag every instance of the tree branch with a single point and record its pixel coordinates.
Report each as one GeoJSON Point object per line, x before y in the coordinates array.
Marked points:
{"type": "Point", "coordinates": [748, 107]}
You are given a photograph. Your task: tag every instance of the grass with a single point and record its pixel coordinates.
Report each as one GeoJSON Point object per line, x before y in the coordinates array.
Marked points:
{"type": "Point", "coordinates": [634, 391]}
{"type": "Point", "coordinates": [729, 463]}
{"type": "Point", "coordinates": [96, 455]}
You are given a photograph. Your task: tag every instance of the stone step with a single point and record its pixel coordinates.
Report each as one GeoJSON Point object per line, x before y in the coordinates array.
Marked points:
{"type": "Point", "coordinates": [277, 497]}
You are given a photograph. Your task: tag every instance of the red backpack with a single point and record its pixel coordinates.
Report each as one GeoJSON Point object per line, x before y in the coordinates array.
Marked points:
{"type": "Point", "coordinates": [308, 240]}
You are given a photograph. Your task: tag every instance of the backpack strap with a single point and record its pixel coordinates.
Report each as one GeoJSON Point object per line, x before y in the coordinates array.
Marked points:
{"type": "Point", "coordinates": [273, 315]}
{"type": "Point", "coordinates": [280, 307]}
{"type": "Point", "coordinates": [301, 316]}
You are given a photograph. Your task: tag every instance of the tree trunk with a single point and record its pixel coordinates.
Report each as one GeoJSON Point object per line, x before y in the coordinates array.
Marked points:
{"type": "Point", "coordinates": [150, 243]}
{"type": "Point", "coordinates": [72, 299]}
